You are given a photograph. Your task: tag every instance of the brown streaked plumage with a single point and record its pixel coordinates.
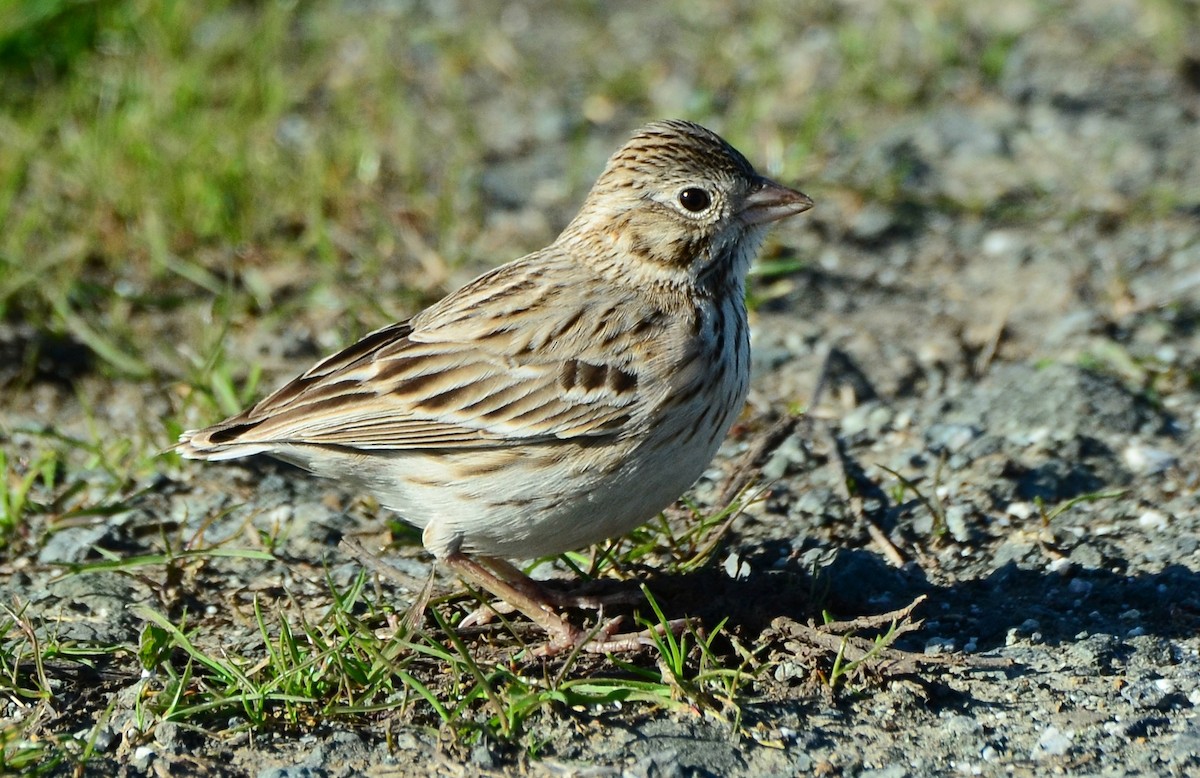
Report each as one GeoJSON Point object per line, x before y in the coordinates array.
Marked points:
{"type": "Point", "coordinates": [560, 399]}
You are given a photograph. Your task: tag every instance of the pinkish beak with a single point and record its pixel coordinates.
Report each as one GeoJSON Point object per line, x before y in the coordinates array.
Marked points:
{"type": "Point", "coordinates": [771, 202]}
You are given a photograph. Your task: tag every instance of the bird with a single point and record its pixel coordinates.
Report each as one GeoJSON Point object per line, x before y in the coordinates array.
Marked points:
{"type": "Point", "coordinates": [558, 400]}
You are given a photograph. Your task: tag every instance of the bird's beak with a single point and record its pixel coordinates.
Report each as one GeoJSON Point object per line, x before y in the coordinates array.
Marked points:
{"type": "Point", "coordinates": [771, 202]}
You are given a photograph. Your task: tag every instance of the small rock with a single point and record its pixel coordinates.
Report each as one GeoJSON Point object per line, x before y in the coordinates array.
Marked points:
{"type": "Point", "coordinates": [1187, 742]}
{"type": "Point", "coordinates": [142, 755]}
{"type": "Point", "coordinates": [293, 771]}
{"type": "Point", "coordinates": [1087, 556]}
{"type": "Point", "coordinates": [482, 756]}
{"type": "Point", "coordinates": [1080, 587]}
{"type": "Point", "coordinates": [956, 522]}
{"type": "Point", "coordinates": [998, 243]}
{"type": "Point", "coordinates": [783, 459]}
{"type": "Point", "coordinates": [1053, 742]}
{"type": "Point", "coordinates": [73, 544]}
{"type": "Point", "coordinates": [735, 567]}
{"type": "Point", "coordinates": [939, 645]}
{"type": "Point", "coordinates": [962, 725]}
{"type": "Point", "coordinates": [951, 438]}
{"type": "Point", "coordinates": [892, 771]}
{"type": "Point", "coordinates": [872, 222]}
{"type": "Point", "coordinates": [1144, 460]}
{"type": "Point", "coordinates": [1153, 520]}
{"type": "Point", "coordinates": [870, 418]}
{"type": "Point", "coordinates": [104, 739]}
{"type": "Point", "coordinates": [1059, 565]}
{"type": "Point", "coordinates": [1149, 694]}
{"type": "Point", "coordinates": [664, 763]}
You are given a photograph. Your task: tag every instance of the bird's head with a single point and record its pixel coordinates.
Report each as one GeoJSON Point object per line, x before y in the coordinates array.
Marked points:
{"type": "Point", "coordinates": [684, 203]}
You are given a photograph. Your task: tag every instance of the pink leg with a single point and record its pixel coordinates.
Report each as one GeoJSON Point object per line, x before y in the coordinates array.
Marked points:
{"type": "Point", "coordinates": [526, 595]}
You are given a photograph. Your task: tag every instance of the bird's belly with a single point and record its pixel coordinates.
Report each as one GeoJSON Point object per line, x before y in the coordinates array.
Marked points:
{"type": "Point", "coordinates": [563, 496]}
{"type": "Point", "coordinates": [544, 502]}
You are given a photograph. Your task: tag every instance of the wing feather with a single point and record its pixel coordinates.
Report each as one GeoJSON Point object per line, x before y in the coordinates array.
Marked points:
{"type": "Point", "coordinates": [503, 360]}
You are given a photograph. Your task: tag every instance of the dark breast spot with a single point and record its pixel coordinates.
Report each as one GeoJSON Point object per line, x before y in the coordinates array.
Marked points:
{"type": "Point", "coordinates": [638, 247]}
{"type": "Point", "coordinates": [681, 253]}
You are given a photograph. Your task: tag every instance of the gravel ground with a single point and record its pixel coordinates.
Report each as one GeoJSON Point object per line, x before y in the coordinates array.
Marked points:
{"type": "Point", "coordinates": [1029, 367]}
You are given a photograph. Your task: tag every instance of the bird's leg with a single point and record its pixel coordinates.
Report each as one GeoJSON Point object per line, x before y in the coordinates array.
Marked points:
{"type": "Point", "coordinates": [524, 594]}
{"type": "Point", "coordinates": [520, 596]}
{"type": "Point", "coordinates": [511, 573]}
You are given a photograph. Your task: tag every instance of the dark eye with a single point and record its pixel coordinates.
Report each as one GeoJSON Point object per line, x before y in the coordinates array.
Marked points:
{"type": "Point", "coordinates": [695, 200]}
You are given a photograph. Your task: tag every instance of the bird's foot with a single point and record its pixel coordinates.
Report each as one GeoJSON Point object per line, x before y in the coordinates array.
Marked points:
{"type": "Point", "coordinates": [606, 639]}
{"type": "Point", "coordinates": [518, 592]}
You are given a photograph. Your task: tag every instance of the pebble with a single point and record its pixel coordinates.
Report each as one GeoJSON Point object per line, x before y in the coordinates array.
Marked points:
{"type": "Point", "coordinates": [735, 567]}
{"type": "Point", "coordinates": [142, 756]}
{"type": "Point", "coordinates": [1154, 520]}
{"type": "Point", "coordinates": [870, 419]}
{"type": "Point", "coordinates": [951, 438]}
{"type": "Point", "coordinates": [294, 771]}
{"type": "Point", "coordinates": [956, 522]}
{"type": "Point", "coordinates": [939, 645]}
{"type": "Point", "coordinates": [1052, 742]}
{"type": "Point", "coordinates": [1080, 587]}
{"type": "Point", "coordinates": [1000, 242]}
{"type": "Point", "coordinates": [1147, 460]}
{"type": "Point", "coordinates": [784, 459]}
{"type": "Point", "coordinates": [1021, 510]}
{"type": "Point", "coordinates": [872, 221]}
{"type": "Point", "coordinates": [1148, 694]}
{"type": "Point", "coordinates": [73, 544]}
{"type": "Point", "coordinates": [891, 771]}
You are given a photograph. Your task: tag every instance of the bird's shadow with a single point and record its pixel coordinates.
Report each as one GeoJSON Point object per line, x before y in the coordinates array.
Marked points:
{"type": "Point", "coordinates": [985, 613]}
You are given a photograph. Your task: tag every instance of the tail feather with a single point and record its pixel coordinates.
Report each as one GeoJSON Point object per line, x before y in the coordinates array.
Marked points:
{"type": "Point", "coordinates": [199, 444]}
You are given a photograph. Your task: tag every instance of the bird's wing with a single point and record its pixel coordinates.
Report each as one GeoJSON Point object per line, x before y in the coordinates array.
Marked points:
{"type": "Point", "coordinates": [508, 358]}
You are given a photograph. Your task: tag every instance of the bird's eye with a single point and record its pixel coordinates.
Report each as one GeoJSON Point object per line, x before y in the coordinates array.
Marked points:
{"type": "Point", "coordinates": [694, 200]}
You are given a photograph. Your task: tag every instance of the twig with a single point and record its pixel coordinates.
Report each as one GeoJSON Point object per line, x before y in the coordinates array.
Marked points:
{"type": "Point", "coordinates": [879, 621]}
{"type": "Point", "coordinates": [839, 457]}
{"type": "Point", "coordinates": [822, 378]}
{"type": "Point", "coordinates": [834, 637]}
{"type": "Point", "coordinates": [751, 463]}
{"type": "Point", "coordinates": [855, 501]}
{"type": "Point", "coordinates": [416, 610]}
{"type": "Point", "coordinates": [983, 359]}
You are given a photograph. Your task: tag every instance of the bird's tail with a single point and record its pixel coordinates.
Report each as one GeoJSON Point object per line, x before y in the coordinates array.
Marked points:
{"type": "Point", "coordinates": [208, 444]}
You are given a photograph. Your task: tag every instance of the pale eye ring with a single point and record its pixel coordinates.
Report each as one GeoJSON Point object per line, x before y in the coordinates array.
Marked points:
{"type": "Point", "coordinates": [695, 199]}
